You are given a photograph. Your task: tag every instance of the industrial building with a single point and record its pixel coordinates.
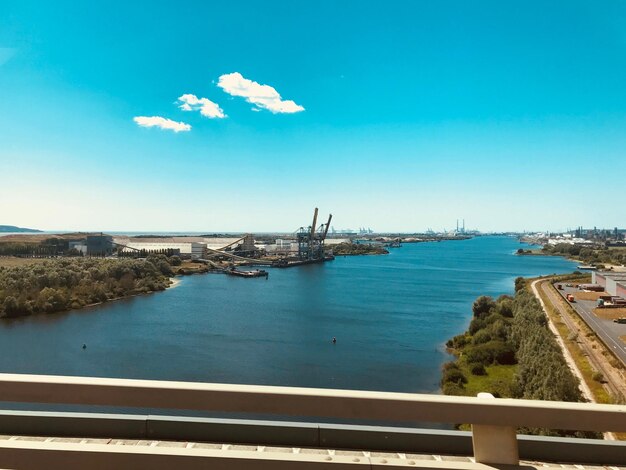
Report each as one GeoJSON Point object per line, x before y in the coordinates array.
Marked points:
{"type": "Point", "coordinates": [281, 247]}
{"type": "Point", "coordinates": [99, 245]}
{"type": "Point", "coordinates": [614, 283]}
{"type": "Point", "coordinates": [78, 245]}
{"type": "Point", "coordinates": [193, 250]}
{"type": "Point", "coordinates": [93, 245]}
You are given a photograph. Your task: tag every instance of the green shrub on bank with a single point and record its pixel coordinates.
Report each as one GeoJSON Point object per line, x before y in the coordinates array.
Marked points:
{"type": "Point", "coordinates": [511, 332]}
{"type": "Point", "coordinates": [458, 341]}
{"type": "Point", "coordinates": [63, 283]}
{"type": "Point", "coordinates": [453, 375]}
{"type": "Point", "coordinates": [483, 306]}
{"type": "Point", "coordinates": [452, 388]}
{"type": "Point", "coordinates": [492, 352]}
{"type": "Point", "coordinates": [477, 368]}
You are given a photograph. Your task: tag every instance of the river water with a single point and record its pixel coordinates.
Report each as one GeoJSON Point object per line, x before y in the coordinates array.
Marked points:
{"type": "Point", "coordinates": [391, 316]}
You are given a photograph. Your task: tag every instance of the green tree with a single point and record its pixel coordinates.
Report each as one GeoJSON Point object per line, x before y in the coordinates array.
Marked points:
{"type": "Point", "coordinates": [483, 306]}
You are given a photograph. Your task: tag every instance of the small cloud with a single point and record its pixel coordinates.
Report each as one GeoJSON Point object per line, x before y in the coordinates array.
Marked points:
{"type": "Point", "coordinates": [262, 96]}
{"type": "Point", "coordinates": [206, 107]}
{"type": "Point", "coordinates": [162, 123]}
{"type": "Point", "coordinates": [5, 54]}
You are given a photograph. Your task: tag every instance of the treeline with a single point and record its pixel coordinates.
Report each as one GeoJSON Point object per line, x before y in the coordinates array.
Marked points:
{"type": "Point", "coordinates": [512, 331]}
{"type": "Point", "coordinates": [67, 283]}
{"type": "Point", "coordinates": [32, 250]}
{"type": "Point", "coordinates": [590, 255]}
{"type": "Point", "coordinates": [342, 249]}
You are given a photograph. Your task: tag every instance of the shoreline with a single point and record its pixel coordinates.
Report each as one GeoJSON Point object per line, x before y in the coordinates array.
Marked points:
{"type": "Point", "coordinates": [173, 284]}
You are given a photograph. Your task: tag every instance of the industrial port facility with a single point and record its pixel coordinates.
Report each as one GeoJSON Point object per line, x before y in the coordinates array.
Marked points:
{"type": "Point", "coordinates": [312, 243]}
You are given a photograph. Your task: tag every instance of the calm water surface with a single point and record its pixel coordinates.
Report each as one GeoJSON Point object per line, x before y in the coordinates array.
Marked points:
{"type": "Point", "coordinates": [391, 316]}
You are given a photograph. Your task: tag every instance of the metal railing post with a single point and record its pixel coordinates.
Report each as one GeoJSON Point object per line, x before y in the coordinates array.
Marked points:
{"type": "Point", "coordinates": [494, 444]}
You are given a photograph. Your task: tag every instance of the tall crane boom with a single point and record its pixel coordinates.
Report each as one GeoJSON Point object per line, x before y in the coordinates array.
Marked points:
{"type": "Point", "coordinates": [330, 217]}
{"type": "Point", "coordinates": [314, 223]}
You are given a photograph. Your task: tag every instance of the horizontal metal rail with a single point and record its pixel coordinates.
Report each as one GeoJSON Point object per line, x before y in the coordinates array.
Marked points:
{"type": "Point", "coordinates": [310, 402]}
{"type": "Point", "coordinates": [296, 435]}
{"type": "Point", "coordinates": [494, 421]}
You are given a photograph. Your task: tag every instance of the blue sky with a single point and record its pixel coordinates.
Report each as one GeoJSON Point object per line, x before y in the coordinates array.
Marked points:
{"type": "Point", "coordinates": [398, 115]}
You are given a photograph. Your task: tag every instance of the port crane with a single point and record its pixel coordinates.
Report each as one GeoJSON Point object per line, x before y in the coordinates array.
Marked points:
{"type": "Point", "coordinates": [311, 239]}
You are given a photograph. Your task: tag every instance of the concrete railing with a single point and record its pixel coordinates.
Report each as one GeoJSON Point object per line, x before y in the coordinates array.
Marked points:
{"type": "Point", "coordinates": [494, 421]}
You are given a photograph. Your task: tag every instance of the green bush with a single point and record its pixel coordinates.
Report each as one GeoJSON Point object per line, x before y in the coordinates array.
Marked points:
{"type": "Point", "coordinates": [453, 375]}
{"type": "Point", "coordinates": [482, 306]}
{"type": "Point", "coordinates": [481, 336]}
{"type": "Point", "coordinates": [477, 369]}
{"type": "Point", "coordinates": [452, 388]}
{"type": "Point", "coordinates": [476, 325]}
{"type": "Point", "coordinates": [457, 342]}
{"type": "Point", "coordinates": [499, 329]}
{"type": "Point", "coordinates": [504, 306]}
{"type": "Point", "coordinates": [450, 365]}
{"type": "Point", "coordinates": [490, 353]}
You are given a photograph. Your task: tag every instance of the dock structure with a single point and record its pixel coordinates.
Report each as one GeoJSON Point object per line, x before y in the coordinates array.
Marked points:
{"type": "Point", "coordinates": [247, 274]}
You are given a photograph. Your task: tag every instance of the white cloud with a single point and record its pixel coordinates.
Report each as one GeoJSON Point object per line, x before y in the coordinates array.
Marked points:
{"type": "Point", "coordinates": [206, 107]}
{"type": "Point", "coordinates": [162, 123]}
{"type": "Point", "coordinates": [262, 96]}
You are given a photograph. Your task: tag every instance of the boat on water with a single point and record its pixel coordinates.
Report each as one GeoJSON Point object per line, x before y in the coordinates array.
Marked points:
{"type": "Point", "coordinates": [255, 273]}
{"type": "Point", "coordinates": [285, 263]}
{"type": "Point", "coordinates": [586, 268]}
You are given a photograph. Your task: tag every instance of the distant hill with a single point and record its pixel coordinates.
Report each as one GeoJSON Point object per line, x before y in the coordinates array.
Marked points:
{"type": "Point", "coordinates": [14, 229]}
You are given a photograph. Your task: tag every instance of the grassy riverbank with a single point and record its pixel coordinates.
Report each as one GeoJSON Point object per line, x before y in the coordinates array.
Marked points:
{"type": "Point", "coordinates": [509, 351]}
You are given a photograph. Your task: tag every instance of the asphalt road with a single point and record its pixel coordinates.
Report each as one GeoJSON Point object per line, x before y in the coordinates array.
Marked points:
{"type": "Point", "coordinates": [608, 331]}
